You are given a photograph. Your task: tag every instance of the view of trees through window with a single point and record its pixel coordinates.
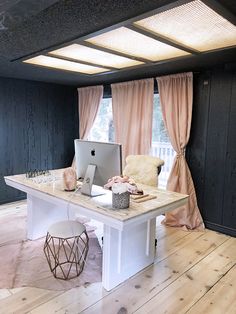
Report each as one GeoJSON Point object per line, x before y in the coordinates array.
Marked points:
{"type": "Point", "coordinates": [103, 130]}
{"type": "Point", "coordinates": [161, 146]}
{"type": "Point", "coordinates": [159, 133]}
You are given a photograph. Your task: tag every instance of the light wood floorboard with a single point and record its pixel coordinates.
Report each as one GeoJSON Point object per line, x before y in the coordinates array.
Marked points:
{"type": "Point", "coordinates": [194, 272]}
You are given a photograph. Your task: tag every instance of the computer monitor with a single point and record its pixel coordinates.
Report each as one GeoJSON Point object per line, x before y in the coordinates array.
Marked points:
{"type": "Point", "coordinates": [96, 162]}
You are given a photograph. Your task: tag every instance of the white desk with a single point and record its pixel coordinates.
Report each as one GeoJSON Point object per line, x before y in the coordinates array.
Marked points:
{"type": "Point", "coordinates": [129, 234]}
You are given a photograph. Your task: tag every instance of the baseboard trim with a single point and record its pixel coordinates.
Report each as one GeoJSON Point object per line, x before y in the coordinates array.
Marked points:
{"type": "Point", "coordinates": [220, 228]}
{"type": "Point", "coordinates": [15, 199]}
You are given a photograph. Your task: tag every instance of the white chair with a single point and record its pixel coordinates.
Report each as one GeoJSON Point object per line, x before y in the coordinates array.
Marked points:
{"type": "Point", "coordinates": [143, 169]}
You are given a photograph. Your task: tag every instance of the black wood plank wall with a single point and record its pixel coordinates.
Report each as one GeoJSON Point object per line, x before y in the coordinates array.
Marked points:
{"type": "Point", "coordinates": [211, 152]}
{"type": "Point", "coordinates": [38, 123]}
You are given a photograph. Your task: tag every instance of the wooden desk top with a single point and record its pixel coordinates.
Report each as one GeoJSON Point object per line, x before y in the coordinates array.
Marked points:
{"type": "Point", "coordinates": [164, 201]}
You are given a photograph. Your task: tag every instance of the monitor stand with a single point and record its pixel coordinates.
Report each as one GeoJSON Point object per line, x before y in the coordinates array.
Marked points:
{"type": "Point", "coordinates": [88, 188]}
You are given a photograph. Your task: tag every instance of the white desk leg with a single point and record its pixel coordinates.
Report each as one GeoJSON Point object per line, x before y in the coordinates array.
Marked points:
{"type": "Point", "coordinates": [41, 214]}
{"type": "Point", "coordinates": [127, 252]}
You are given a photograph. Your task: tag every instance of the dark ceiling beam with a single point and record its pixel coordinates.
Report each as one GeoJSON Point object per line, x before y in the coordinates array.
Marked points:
{"type": "Point", "coordinates": [221, 10]}
{"type": "Point", "coordinates": [190, 63]}
{"type": "Point", "coordinates": [163, 39]}
{"type": "Point", "coordinates": [114, 52]}
{"type": "Point", "coordinates": [146, 66]}
{"type": "Point", "coordinates": [82, 62]}
{"type": "Point", "coordinates": [80, 41]}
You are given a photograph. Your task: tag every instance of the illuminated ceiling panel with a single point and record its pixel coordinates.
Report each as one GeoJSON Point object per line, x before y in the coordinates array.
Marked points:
{"type": "Point", "coordinates": [193, 24]}
{"type": "Point", "coordinates": [64, 65]}
{"type": "Point", "coordinates": [87, 54]}
{"type": "Point", "coordinates": [135, 44]}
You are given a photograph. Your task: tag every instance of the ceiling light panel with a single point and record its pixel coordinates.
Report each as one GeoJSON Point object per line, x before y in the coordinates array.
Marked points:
{"type": "Point", "coordinates": [87, 54]}
{"type": "Point", "coordinates": [193, 24]}
{"type": "Point", "coordinates": [56, 63]}
{"type": "Point", "coordinates": [135, 44]}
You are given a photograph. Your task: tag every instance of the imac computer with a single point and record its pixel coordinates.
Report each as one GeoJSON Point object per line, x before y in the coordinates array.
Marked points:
{"type": "Point", "coordinates": [96, 162]}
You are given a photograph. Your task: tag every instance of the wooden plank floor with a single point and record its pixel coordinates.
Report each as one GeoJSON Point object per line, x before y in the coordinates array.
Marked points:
{"type": "Point", "coordinates": [194, 272]}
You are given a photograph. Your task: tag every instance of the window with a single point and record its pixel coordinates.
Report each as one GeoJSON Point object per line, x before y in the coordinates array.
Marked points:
{"type": "Point", "coordinates": [103, 130]}
{"type": "Point", "coordinates": [161, 146]}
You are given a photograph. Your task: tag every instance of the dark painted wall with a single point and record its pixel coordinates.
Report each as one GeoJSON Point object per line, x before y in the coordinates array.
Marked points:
{"type": "Point", "coordinates": [211, 151]}
{"type": "Point", "coordinates": [38, 123]}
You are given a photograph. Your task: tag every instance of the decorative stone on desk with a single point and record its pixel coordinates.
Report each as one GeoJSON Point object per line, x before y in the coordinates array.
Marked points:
{"type": "Point", "coordinates": [120, 196]}
{"type": "Point", "coordinates": [120, 201]}
{"type": "Point", "coordinates": [69, 179]}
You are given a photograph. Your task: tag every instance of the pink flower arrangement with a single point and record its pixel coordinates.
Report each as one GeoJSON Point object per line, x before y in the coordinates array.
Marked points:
{"type": "Point", "coordinates": [124, 183]}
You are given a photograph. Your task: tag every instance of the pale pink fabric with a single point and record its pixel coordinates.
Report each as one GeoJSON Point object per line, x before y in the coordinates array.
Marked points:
{"type": "Point", "coordinates": [89, 99]}
{"type": "Point", "coordinates": [132, 105]}
{"type": "Point", "coordinates": [176, 98]}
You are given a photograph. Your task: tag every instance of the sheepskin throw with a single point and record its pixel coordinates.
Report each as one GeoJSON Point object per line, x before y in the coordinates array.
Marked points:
{"type": "Point", "coordinates": [143, 168]}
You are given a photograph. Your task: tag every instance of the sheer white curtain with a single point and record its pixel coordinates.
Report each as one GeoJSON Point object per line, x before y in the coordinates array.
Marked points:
{"type": "Point", "coordinates": [89, 99]}
{"type": "Point", "coordinates": [176, 98]}
{"type": "Point", "coordinates": [132, 106]}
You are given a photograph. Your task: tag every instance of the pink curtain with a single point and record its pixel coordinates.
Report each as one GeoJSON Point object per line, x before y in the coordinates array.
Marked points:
{"type": "Point", "coordinates": [176, 97]}
{"type": "Point", "coordinates": [89, 101]}
{"type": "Point", "coordinates": [132, 106]}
